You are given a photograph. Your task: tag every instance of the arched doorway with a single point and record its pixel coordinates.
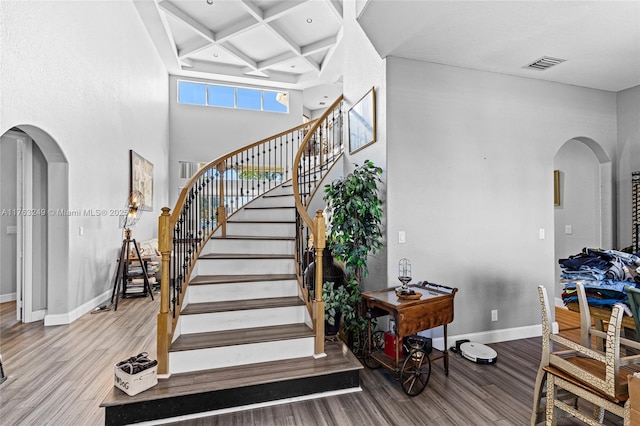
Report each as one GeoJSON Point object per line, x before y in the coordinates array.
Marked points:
{"type": "Point", "coordinates": [584, 215]}
{"type": "Point", "coordinates": [38, 241]}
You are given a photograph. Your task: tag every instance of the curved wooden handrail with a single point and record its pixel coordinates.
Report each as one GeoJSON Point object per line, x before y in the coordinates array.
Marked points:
{"type": "Point", "coordinates": [302, 209]}
{"type": "Point", "coordinates": [210, 195]}
{"type": "Point", "coordinates": [183, 194]}
{"type": "Point", "coordinates": [184, 232]}
{"type": "Point", "coordinates": [316, 225]}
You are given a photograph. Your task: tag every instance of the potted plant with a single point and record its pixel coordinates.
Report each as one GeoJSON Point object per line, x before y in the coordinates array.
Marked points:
{"type": "Point", "coordinates": [341, 302]}
{"type": "Point", "coordinates": [336, 301]}
{"type": "Point", "coordinates": [355, 232]}
{"type": "Point", "coordinates": [356, 218]}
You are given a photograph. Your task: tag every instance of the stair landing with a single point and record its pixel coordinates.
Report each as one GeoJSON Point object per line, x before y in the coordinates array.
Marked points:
{"type": "Point", "coordinates": [203, 393]}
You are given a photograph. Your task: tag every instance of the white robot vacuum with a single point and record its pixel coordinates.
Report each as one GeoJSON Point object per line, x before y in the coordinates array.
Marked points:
{"type": "Point", "coordinates": [478, 353]}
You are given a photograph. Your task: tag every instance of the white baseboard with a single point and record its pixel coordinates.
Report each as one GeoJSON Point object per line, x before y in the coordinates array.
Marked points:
{"type": "Point", "coordinates": [59, 319]}
{"type": "Point", "coordinates": [493, 336]}
{"type": "Point", "coordinates": [10, 297]}
{"type": "Point", "coordinates": [38, 315]}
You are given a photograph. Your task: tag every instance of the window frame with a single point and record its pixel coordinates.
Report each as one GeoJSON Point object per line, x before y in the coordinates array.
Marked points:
{"type": "Point", "coordinates": [235, 96]}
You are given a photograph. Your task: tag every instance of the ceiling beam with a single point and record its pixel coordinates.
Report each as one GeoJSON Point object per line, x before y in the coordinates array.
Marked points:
{"type": "Point", "coordinates": [318, 46]}
{"type": "Point", "coordinates": [238, 74]}
{"type": "Point", "coordinates": [279, 59]}
{"type": "Point", "coordinates": [281, 9]}
{"type": "Point", "coordinates": [237, 28]}
{"type": "Point", "coordinates": [194, 25]}
{"type": "Point", "coordinates": [253, 9]}
{"type": "Point", "coordinates": [293, 46]}
{"type": "Point", "coordinates": [238, 54]}
{"type": "Point", "coordinates": [336, 8]}
{"type": "Point", "coordinates": [193, 47]}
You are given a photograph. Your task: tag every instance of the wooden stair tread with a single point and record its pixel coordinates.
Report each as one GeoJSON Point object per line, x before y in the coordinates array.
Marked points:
{"type": "Point", "coordinates": [224, 279]}
{"type": "Point", "coordinates": [216, 339]}
{"type": "Point", "coordinates": [253, 237]}
{"type": "Point", "coordinates": [269, 207]}
{"type": "Point", "coordinates": [245, 256]}
{"type": "Point", "coordinates": [275, 222]}
{"type": "Point", "coordinates": [277, 195]}
{"type": "Point", "coordinates": [338, 359]}
{"type": "Point", "coordinates": [239, 305]}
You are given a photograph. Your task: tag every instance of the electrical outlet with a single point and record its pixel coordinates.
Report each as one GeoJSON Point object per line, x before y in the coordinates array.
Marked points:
{"type": "Point", "coordinates": [494, 315]}
{"type": "Point", "coordinates": [402, 237]}
{"type": "Point", "coordinates": [568, 230]}
{"type": "Point", "coordinates": [541, 233]}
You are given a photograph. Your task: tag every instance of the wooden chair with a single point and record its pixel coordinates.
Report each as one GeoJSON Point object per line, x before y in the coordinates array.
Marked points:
{"type": "Point", "coordinates": [538, 413]}
{"type": "Point", "coordinates": [598, 377]}
{"type": "Point", "coordinates": [633, 295]}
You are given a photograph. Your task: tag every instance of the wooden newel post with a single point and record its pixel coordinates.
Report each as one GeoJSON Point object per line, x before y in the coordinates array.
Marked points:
{"type": "Point", "coordinates": [164, 317]}
{"type": "Point", "coordinates": [319, 238]}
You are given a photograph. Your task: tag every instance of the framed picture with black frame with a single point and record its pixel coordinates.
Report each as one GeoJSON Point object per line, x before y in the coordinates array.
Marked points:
{"type": "Point", "coordinates": [362, 122]}
{"type": "Point", "coordinates": [141, 178]}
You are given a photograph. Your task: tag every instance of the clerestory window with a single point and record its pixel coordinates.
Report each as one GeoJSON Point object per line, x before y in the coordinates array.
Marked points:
{"type": "Point", "coordinates": [194, 93]}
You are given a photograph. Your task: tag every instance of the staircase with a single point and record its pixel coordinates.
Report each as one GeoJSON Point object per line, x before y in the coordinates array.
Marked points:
{"type": "Point", "coordinates": [243, 335]}
{"type": "Point", "coordinates": [237, 326]}
{"type": "Point", "coordinates": [242, 305]}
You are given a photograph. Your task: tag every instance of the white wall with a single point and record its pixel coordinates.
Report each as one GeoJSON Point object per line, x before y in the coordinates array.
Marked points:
{"type": "Point", "coordinates": [363, 69]}
{"type": "Point", "coordinates": [470, 180]}
{"type": "Point", "coordinates": [202, 134]}
{"type": "Point", "coordinates": [579, 201]}
{"type": "Point", "coordinates": [87, 74]}
{"type": "Point", "coordinates": [628, 157]}
{"type": "Point", "coordinates": [8, 170]}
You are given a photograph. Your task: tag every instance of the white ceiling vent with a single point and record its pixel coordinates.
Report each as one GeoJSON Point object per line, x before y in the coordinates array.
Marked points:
{"type": "Point", "coordinates": [544, 63]}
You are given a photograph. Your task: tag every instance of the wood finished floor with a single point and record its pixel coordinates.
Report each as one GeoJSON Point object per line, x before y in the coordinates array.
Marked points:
{"type": "Point", "coordinates": [59, 375]}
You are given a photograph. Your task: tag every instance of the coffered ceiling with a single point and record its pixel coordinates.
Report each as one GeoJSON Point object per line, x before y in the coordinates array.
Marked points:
{"type": "Point", "coordinates": [273, 43]}
{"type": "Point", "coordinates": [296, 44]}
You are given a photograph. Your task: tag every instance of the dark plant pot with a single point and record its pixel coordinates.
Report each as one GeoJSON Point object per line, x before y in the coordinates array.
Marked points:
{"type": "Point", "coordinates": [332, 330]}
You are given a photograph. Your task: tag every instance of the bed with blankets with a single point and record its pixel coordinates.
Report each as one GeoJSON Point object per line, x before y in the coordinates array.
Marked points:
{"type": "Point", "coordinates": [604, 273]}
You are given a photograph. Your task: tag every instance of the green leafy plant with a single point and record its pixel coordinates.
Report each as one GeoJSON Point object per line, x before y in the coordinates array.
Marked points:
{"type": "Point", "coordinates": [354, 233]}
{"type": "Point", "coordinates": [356, 217]}
{"type": "Point", "coordinates": [346, 300]}
{"type": "Point", "coordinates": [354, 323]}
{"type": "Point", "coordinates": [336, 299]}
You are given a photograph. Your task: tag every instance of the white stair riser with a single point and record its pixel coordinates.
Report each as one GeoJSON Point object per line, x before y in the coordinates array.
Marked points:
{"type": "Point", "coordinates": [231, 320]}
{"type": "Point", "coordinates": [205, 359]}
{"type": "Point", "coordinates": [203, 293]}
{"type": "Point", "coordinates": [282, 201]}
{"type": "Point", "coordinates": [245, 266]}
{"type": "Point", "coordinates": [221, 245]}
{"type": "Point", "coordinates": [275, 213]}
{"type": "Point", "coordinates": [262, 229]}
{"type": "Point", "coordinates": [285, 188]}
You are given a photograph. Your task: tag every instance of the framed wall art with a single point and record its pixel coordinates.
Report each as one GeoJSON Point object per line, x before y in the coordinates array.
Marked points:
{"type": "Point", "coordinates": [556, 187]}
{"type": "Point", "coordinates": [362, 122]}
{"type": "Point", "coordinates": [141, 178]}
